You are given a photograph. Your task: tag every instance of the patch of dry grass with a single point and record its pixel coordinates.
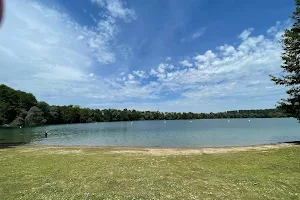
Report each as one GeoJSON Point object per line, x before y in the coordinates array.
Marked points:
{"type": "Point", "coordinates": [199, 151]}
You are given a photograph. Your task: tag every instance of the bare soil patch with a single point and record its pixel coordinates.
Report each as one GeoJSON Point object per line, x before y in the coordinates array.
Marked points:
{"type": "Point", "coordinates": [176, 151]}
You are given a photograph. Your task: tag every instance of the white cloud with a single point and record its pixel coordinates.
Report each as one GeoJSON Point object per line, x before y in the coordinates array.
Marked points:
{"type": "Point", "coordinates": [209, 56]}
{"type": "Point", "coordinates": [278, 30]}
{"type": "Point", "coordinates": [117, 9]}
{"type": "Point", "coordinates": [274, 29]}
{"type": "Point", "coordinates": [246, 33]}
{"type": "Point", "coordinates": [97, 38]}
{"type": "Point", "coordinates": [101, 3]}
{"type": "Point", "coordinates": [227, 78]}
{"type": "Point", "coordinates": [168, 58]}
{"type": "Point", "coordinates": [123, 90]}
{"type": "Point", "coordinates": [170, 66]}
{"type": "Point", "coordinates": [161, 68]}
{"type": "Point", "coordinates": [93, 18]}
{"type": "Point", "coordinates": [198, 33]}
{"type": "Point", "coordinates": [141, 74]}
{"type": "Point", "coordinates": [92, 75]}
{"type": "Point", "coordinates": [100, 37]}
{"type": "Point", "coordinates": [194, 36]}
{"type": "Point", "coordinates": [153, 72]}
{"type": "Point", "coordinates": [80, 37]}
{"type": "Point", "coordinates": [186, 63]}
{"type": "Point", "coordinates": [125, 51]}
{"type": "Point", "coordinates": [162, 71]}
{"type": "Point", "coordinates": [130, 77]}
{"type": "Point", "coordinates": [227, 50]}
{"type": "Point", "coordinates": [45, 52]}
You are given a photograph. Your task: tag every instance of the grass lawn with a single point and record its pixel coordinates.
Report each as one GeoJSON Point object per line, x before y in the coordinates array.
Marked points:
{"type": "Point", "coordinates": [39, 172]}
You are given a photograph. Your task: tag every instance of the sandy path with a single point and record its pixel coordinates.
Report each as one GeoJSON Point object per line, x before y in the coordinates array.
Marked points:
{"type": "Point", "coordinates": [152, 151]}
{"type": "Point", "coordinates": [178, 151]}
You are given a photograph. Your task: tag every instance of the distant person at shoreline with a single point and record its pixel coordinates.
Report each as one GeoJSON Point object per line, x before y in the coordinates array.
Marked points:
{"type": "Point", "coordinates": [46, 134]}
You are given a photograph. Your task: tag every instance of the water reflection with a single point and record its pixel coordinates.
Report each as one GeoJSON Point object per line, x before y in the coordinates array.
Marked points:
{"type": "Point", "coordinates": [16, 136]}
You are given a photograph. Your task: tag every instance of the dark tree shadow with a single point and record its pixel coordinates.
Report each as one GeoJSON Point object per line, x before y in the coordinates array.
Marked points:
{"type": "Point", "coordinates": [293, 142]}
{"type": "Point", "coordinates": [11, 145]}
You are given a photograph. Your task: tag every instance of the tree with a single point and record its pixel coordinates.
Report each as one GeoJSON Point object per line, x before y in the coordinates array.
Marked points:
{"type": "Point", "coordinates": [70, 114]}
{"type": "Point", "coordinates": [124, 115]}
{"type": "Point", "coordinates": [19, 121]}
{"type": "Point", "coordinates": [22, 113]}
{"type": "Point", "coordinates": [3, 109]}
{"type": "Point", "coordinates": [45, 108]}
{"type": "Point", "coordinates": [98, 117]}
{"type": "Point", "coordinates": [54, 115]}
{"type": "Point", "coordinates": [35, 117]}
{"type": "Point", "coordinates": [12, 101]}
{"type": "Point", "coordinates": [291, 66]}
{"type": "Point", "coordinates": [116, 115]}
{"type": "Point", "coordinates": [84, 115]}
{"type": "Point", "coordinates": [26, 100]}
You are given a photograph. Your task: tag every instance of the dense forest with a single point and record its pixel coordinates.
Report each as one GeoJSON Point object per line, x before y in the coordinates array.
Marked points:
{"type": "Point", "coordinates": [18, 108]}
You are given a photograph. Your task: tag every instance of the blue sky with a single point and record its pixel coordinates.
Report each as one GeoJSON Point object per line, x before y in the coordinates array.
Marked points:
{"type": "Point", "coordinates": [167, 55]}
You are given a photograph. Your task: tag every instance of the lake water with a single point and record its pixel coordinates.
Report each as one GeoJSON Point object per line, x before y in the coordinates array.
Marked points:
{"type": "Point", "coordinates": [178, 133]}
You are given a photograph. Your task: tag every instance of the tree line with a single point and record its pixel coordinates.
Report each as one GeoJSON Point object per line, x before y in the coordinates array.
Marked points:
{"type": "Point", "coordinates": [18, 108]}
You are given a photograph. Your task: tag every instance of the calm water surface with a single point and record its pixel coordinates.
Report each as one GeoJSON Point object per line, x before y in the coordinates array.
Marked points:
{"type": "Point", "coordinates": [178, 133]}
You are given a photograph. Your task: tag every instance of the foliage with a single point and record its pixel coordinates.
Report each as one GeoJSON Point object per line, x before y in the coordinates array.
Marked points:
{"type": "Point", "coordinates": [291, 66]}
{"type": "Point", "coordinates": [3, 109]}
{"type": "Point", "coordinates": [15, 104]}
{"type": "Point", "coordinates": [53, 115]}
{"type": "Point", "coordinates": [19, 121]}
{"type": "Point", "coordinates": [35, 116]}
{"type": "Point", "coordinates": [45, 108]}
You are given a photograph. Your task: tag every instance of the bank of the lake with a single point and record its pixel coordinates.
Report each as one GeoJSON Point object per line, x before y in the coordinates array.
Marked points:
{"type": "Point", "coordinates": [45, 172]}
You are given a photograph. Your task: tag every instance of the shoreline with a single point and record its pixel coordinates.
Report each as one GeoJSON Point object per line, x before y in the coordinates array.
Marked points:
{"type": "Point", "coordinates": [291, 143]}
{"type": "Point", "coordinates": [158, 151]}
{"type": "Point", "coordinates": [21, 144]}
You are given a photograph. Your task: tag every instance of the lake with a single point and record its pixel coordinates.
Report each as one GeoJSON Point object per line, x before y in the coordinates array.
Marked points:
{"type": "Point", "coordinates": [177, 133]}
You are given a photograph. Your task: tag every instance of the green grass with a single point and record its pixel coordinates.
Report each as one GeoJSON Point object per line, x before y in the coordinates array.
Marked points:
{"type": "Point", "coordinates": [95, 173]}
